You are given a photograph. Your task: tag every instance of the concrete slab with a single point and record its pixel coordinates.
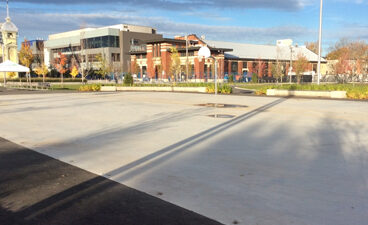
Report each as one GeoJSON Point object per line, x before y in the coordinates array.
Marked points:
{"type": "Point", "coordinates": [311, 94]}
{"type": "Point", "coordinates": [280, 161]}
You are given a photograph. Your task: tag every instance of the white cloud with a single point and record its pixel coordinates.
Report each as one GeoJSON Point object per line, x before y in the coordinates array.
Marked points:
{"type": "Point", "coordinates": [44, 24]}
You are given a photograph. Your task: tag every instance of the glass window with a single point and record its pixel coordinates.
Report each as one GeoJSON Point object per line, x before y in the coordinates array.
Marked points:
{"type": "Point", "coordinates": [101, 42]}
{"type": "Point", "coordinates": [234, 68]}
{"type": "Point", "coordinates": [105, 41]}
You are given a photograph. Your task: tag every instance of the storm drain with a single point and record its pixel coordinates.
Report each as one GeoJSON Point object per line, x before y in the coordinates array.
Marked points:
{"type": "Point", "coordinates": [221, 116]}
{"type": "Point", "coordinates": [221, 105]}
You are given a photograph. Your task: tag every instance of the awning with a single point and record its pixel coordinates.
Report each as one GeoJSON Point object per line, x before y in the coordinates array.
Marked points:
{"type": "Point", "coordinates": [9, 66]}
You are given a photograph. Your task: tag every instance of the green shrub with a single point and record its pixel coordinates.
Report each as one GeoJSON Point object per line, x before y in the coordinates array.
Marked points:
{"type": "Point", "coordinates": [210, 88]}
{"type": "Point", "coordinates": [128, 79]}
{"type": "Point", "coordinates": [90, 87]}
{"type": "Point", "coordinates": [226, 89]}
{"type": "Point", "coordinates": [254, 78]}
{"type": "Point", "coordinates": [231, 78]}
{"type": "Point", "coordinates": [223, 89]}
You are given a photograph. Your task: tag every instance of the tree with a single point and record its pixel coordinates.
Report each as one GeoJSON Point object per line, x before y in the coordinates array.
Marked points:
{"type": "Point", "coordinates": [105, 67]}
{"type": "Point", "coordinates": [260, 68]}
{"type": "Point", "coordinates": [276, 69]}
{"type": "Point", "coordinates": [60, 65]}
{"type": "Point", "coordinates": [136, 69]}
{"type": "Point", "coordinates": [74, 73]}
{"type": "Point", "coordinates": [301, 65]}
{"type": "Point", "coordinates": [159, 70]}
{"type": "Point", "coordinates": [42, 71]}
{"type": "Point", "coordinates": [12, 75]}
{"type": "Point", "coordinates": [313, 46]}
{"type": "Point", "coordinates": [342, 66]}
{"type": "Point", "coordinates": [347, 52]}
{"type": "Point", "coordinates": [175, 62]}
{"type": "Point", "coordinates": [25, 55]}
{"type": "Point", "coordinates": [190, 71]}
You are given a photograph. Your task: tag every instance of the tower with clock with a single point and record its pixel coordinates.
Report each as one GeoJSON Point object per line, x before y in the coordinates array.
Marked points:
{"type": "Point", "coordinates": [9, 40]}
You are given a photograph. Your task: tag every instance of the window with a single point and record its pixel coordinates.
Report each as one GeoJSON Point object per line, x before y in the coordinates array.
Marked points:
{"type": "Point", "coordinates": [245, 64]}
{"type": "Point", "coordinates": [115, 57]}
{"type": "Point", "coordinates": [234, 68]}
{"type": "Point", "coordinates": [101, 42]}
{"type": "Point", "coordinates": [93, 57]}
{"type": "Point", "coordinates": [134, 41]}
{"type": "Point", "coordinates": [184, 54]}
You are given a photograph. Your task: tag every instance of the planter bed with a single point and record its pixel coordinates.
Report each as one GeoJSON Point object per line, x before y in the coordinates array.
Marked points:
{"type": "Point", "coordinates": [318, 94]}
{"type": "Point", "coordinates": [161, 89]}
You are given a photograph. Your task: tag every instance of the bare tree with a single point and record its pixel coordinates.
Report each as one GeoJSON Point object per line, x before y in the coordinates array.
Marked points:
{"type": "Point", "coordinates": [301, 65]}
{"type": "Point", "coordinates": [175, 63]}
{"type": "Point", "coordinates": [313, 46]}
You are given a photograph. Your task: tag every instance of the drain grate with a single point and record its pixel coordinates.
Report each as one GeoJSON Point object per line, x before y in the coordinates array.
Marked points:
{"type": "Point", "coordinates": [221, 116]}
{"type": "Point", "coordinates": [221, 105]}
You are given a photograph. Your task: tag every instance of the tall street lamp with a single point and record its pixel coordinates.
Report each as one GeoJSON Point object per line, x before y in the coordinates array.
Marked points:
{"type": "Point", "coordinates": [186, 55]}
{"type": "Point", "coordinates": [291, 64]}
{"type": "Point", "coordinates": [205, 52]}
{"type": "Point", "coordinates": [320, 42]}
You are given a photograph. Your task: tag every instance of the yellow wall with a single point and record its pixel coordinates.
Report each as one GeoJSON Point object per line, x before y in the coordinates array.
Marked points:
{"type": "Point", "coordinates": [11, 51]}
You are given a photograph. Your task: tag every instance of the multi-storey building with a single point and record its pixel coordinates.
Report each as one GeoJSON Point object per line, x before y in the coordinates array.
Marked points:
{"type": "Point", "coordinates": [112, 42]}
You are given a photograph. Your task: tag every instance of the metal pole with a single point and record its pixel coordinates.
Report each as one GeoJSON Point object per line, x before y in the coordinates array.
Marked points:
{"type": "Point", "coordinates": [320, 42]}
{"type": "Point", "coordinates": [291, 64]}
{"type": "Point", "coordinates": [4, 61]}
{"type": "Point", "coordinates": [215, 76]}
{"type": "Point", "coordinates": [186, 52]}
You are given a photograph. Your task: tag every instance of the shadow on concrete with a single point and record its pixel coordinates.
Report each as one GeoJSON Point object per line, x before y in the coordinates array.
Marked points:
{"type": "Point", "coordinates": [62, 194]}
{"type": "Point", "coordinates": [280, 175]}
{"type": "Point", "coordinates": [170, 151]}
{"type": "Point", "coordinates": [41, 190]}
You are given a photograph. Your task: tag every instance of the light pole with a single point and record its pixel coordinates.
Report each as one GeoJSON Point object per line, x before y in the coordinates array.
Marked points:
{"type": "Point", "coordinates": [2, 44]}
{"type": "Point", "coordinates": [291, 64]}
{"type": "Point", "coordinates": [206, 53]}
{"type": "Point", "coordinates": [320, 42]}
{"type": "Point", "coordinates": [186, 54]}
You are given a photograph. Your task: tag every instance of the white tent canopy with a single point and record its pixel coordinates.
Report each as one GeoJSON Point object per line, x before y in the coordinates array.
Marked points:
{"type": "Point", "coordinates": [9, 66]}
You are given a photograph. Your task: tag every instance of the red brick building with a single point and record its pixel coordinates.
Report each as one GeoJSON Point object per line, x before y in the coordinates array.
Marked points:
{"type": "Point", "coordinates": [153, 59]}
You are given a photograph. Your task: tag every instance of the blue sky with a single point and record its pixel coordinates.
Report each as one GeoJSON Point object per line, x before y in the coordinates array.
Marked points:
{"type": "Point", "coordinates": [248, 21]}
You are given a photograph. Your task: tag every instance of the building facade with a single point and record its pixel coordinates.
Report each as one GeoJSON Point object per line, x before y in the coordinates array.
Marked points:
{"type": "Point", "coordinates": [111, 42]}
{"type": "Point", "coordinates": [153, 58]}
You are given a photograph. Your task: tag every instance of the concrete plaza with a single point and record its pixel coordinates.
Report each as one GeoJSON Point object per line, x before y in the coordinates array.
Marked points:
{"type": "Point", "coordinates": [278, 161]}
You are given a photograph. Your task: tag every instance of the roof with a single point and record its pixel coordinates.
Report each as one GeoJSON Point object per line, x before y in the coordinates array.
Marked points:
{"type": "Point", "coordinates": [9, 26]}
{"type": "Point", "coordinates": [263, 52]}
{"type": "Point", "coordinates": [162, 40]}
{"type": "Point", "coordinates": [9, 66]}
{"type": "Point", "coordinates": [196, 48]}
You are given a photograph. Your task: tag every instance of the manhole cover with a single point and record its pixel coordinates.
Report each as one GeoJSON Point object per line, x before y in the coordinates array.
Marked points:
{"type": "Point", "coordinates": [221, 116]}
{"type": "Point", "coordinates": [221, 105]}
